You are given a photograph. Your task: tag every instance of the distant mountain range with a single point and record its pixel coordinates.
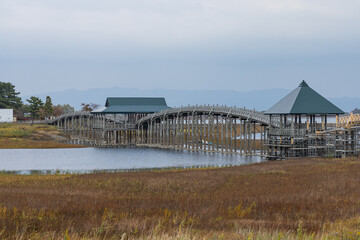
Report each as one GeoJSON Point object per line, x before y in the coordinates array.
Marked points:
{"type": "Point", "coordinates": [260, 100]}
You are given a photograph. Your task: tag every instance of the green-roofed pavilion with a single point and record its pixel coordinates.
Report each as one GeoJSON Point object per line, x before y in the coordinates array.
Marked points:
{"type": "Point", "coordinates": [304, 100]}
{"type": "Point", "coordinates": [132, 105]}
{"type": "Point", "coordinates": [302, 124]}
{"type": "Point", "coordinates": [125, 111]}
{"type": "Point", "coordinates": [303, 108]}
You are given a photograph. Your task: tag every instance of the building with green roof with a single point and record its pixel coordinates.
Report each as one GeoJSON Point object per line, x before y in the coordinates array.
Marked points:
{"type": "Point", "coordinates": [133, 105]}
{"type": "Point", "coordinates": [302, 118]}
{"type": "Point", "coordinates": [304, 106]}
{"type": "Point", "coordinates": [304, 100]}
{"type": "Point", "coordinates": [123, 112]}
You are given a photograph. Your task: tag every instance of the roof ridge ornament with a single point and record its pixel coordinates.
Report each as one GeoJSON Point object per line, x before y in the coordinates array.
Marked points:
{"type": "Point", "coordinates": [303, 84]}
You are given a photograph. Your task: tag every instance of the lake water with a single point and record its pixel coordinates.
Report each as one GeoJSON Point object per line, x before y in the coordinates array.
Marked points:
{"type": "Point", "coordinates": [86, 160]}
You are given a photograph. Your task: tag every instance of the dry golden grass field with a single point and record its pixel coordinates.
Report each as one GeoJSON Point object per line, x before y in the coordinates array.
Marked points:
{"type": "Point", "coordinates": [292, 199]}
{"type": "Point", "coordinates": [26, 136]}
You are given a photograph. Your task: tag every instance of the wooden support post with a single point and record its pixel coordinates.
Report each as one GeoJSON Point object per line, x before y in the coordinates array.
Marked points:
{"type": "Point", "coordinates": [192, 132]}
{"type": "Point", "coordinates": [225, 135]}
{"type": "Point", "coordinates": [173, 131]}
{"type": "Point", "coordinates": [325, 122]}
{"type": "Point", "coordinates": [261, 140]}
{"type": "Point", "coordinates": [181, 132]}
{"type": "Point", "coordinates": [175, 125]}
{"type": "Point", "coordinates": [138, 138]}
{"type": "Point", "coordinates": [82, 126]}
{"type": "Point", "coordinates": [178, 132]}
{"type": "Point", "coordinates": [168, 131]}
{"type": "Point", "coordinates": [199, 132]}
{"type": "Point", "coordinates": [85, 126]}
{"type": "Point", "coordinates": [161, 131]}
{"type": "Point", "coordinates": [146, 133]}
{"type": "Point", "coordinates": [201, 135]}
{"type": "Point", "coordinates": [104, 121]}
{"type": "Point", "coordinates": [201, 139]}
{"type": "Point", "coordinates": [245, 147]}
{"type": "Point", "coordinates": [196, 132]}
{"type": "Point", "coordinates": [177, 138]}
{"type": "Point", "coordinates": [165, 129]}
{"type": "Point", "coordinates": [208, 124]}
{"type": "Point", "coordinates": [217, 133]}
{"type": "Point", "coordinates": [213, 132]}
{"type": "Point", "coordinates": [231, 135]}
{"type": "Point", "coordinates": [114, 121]}
{"type": "Point", "coordinates": [249, 137]}
{"type": "Point", "coordinates": [254, 138]}
{"type": "Point", "coordinates": [73, 125]}
{"type": "Point", "coordinates": [155, 126]}
{"type": "Point", "coordinates": [154, 141]}
{"type": "Point", "coordinates": [187, 131]}
{"type": "Point", "coordinates": [204, 128]}
{"type": "Point", "coordinates": [235, 135]}
{"type": "Point", "coordinates": [142, 134]}
{"type": "Point", "coordinates": [205, 138]}
{"type": "Point", "coordinates": [157, 132]}
{"type": "Point", "coordinates": [151, 132]}
{"type": "Point", "coordinates": [222, 134]}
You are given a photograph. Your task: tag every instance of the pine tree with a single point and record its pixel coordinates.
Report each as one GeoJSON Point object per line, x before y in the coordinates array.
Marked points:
{"type": "Point", "coordinates": [35, 104]}
{"type": "Point", "coordinates": [48, 107]}
{"type": "Point", "coordinates": [9, 97]}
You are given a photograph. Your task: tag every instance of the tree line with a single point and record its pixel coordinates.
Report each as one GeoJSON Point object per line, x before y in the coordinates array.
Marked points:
{"type": "Point", "coordinates": [35, 108]}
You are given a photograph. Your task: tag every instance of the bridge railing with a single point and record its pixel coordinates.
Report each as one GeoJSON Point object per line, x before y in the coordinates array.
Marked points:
{"type": "Point", "coordinates": [67, 115]}
{"type": "Point", "coordinates": [221, 110]}
{"type": "Point", "coordinates": [288, 132]}
{"type": "Point", "coordinates": [242, 113]}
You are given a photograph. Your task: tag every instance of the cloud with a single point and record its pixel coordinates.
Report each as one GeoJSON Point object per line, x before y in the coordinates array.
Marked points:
{"type": "Point", "coordinates": [203, 44]}
{"type": "Point", "coordinates": [177, 22]}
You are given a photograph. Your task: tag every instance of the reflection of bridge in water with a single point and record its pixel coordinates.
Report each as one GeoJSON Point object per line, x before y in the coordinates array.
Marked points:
{"type": "Point", "coordinates": [195, 128]}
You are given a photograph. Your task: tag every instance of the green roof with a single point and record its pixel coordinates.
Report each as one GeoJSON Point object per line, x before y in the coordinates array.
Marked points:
{"type": "Point", "coordinates": [132, 105]}
{"type": "Point", "coordinates": [304, 100]}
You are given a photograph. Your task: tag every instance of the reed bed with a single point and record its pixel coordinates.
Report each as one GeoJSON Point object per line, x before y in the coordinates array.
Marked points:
{"type": "Point", "coordinates": [13, 135]}
{"type": "Point", "coordinates": [292, 199]}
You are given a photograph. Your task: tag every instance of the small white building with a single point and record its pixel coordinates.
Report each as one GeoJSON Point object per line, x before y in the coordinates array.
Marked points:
{"type": "Point", "coordinates": [6, 115]}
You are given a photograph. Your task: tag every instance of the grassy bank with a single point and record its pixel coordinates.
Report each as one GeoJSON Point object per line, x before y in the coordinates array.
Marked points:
{"type": "Point", "coordinates": [26, 136]}
{"type": "Point", "coordinates": [293, 199]}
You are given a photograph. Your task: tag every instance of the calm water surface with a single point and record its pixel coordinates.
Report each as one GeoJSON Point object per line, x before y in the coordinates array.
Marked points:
{"type": "Point", "coordinates": [83, 160]}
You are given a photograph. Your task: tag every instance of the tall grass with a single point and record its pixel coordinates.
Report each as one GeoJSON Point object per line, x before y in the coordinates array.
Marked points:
{"type": "Point", "coordinates": [14, 131]}
{"type": "Point", "coordinates": [294, 199]}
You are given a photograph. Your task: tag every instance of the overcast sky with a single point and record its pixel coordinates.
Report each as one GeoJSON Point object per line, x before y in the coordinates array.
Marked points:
{"type": "Point", "coordinates": [48, 45]}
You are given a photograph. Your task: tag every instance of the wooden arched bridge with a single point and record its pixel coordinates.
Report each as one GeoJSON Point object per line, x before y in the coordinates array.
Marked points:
{"type": "Point", "coordinates": [296, 126]}
{"type": "Point", "coordinates": [194, 128]}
